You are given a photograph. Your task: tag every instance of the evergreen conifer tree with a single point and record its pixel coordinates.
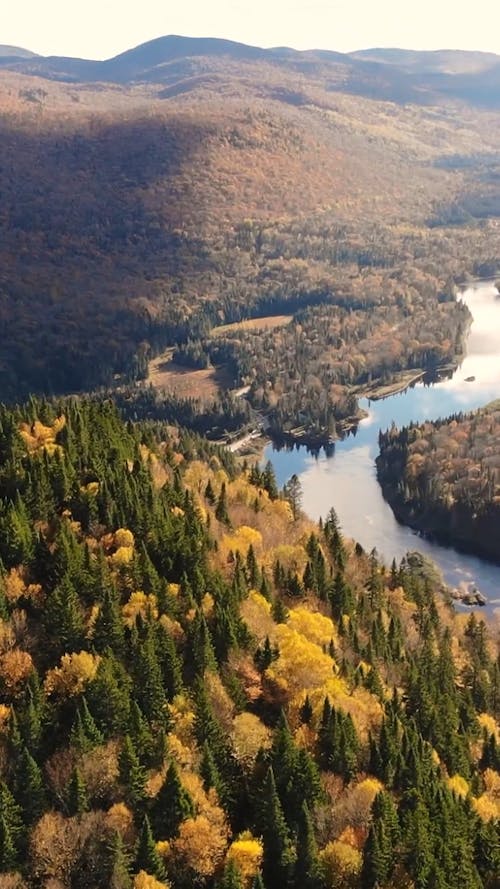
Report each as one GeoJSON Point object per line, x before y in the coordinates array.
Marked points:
{"type": "Point", "coordinates": [279, 855]}
{"type": "Point", "coordinates": [231, 878]}
{"type": "Point", "coordinates": [172, 805]}
{"type": "Point", "coordinates": [30, 790]}
{"type": "Point", "coordinates": [77, 794]}
{"type": "Point", "coordinates": [307, 870]}
{"type": "Point", "coordinates": [119, 875]}
{"type": "Point", "coordinates": [221, 513]}
{"type": "Point", "coordinates": [108, 629]}
{"type": "Point", "coordinates": [64, 619]}
{"type": "Point", "coordinates": [146, 856]}
{"type": "Point", "coordinates": [8, 854]}
{"type": "Point", "coordinates": [132, 775]}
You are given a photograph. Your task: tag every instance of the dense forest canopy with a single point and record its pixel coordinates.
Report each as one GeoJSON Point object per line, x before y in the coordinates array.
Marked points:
{"type": "Point", "coordinates": [140, 215]}
{"type": "Point", "coordinates": [442, 477]}
{"type": "Point", "coordinates": [200, 687]}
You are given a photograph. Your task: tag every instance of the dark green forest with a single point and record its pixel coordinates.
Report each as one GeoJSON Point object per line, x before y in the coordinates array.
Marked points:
{"type": "Point", "coordinates": [200, 687]}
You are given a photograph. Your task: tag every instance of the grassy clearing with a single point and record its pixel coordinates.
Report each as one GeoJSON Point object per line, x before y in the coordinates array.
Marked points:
{"type": "Point", "coordinates": [203, 384]}
{"type": "Point", "coordinates": [253, 324]}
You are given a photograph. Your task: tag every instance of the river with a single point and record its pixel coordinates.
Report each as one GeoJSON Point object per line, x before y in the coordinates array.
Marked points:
{"type": "Point", "coordinates": [344, 476]}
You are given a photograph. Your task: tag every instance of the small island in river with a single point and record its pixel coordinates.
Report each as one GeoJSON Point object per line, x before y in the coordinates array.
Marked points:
{"type": "Point", "coordinates": [443, 479]}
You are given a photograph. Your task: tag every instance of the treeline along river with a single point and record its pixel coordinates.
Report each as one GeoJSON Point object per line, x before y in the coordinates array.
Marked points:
{"type": "Point", "coordinates": [344, 475]}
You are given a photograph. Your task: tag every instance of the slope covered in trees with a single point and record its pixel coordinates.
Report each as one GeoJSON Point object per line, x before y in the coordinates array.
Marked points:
{"type": "Point", "coordinates": [140, 216]}
{"type": "Point", "coordinates": [199, 687]}
{"type": "Point", "coordinates": [442, 477]}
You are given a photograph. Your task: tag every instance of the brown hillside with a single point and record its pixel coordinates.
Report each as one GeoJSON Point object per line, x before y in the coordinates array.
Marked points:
{"type": "Point", "coordinates": [122, 207]}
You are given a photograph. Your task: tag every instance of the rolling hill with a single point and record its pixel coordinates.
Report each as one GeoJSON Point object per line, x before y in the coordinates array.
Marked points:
{"type": "Point", "coordinates": [188, 181]}
{"type": "Point", "coordinates": [391, 74]}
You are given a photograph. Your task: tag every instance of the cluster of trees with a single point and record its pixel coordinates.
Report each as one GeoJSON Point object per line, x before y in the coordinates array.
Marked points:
{"type": "Point", "coordinates": [214, 419]}
{"type": "Point", "coordinates": [442, 477]}
{"type": "Point", "coordinates": [200, 687]}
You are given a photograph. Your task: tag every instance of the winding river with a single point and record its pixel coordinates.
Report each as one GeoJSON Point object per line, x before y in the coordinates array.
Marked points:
{"type": "Point", "coordinates": [344, 476]}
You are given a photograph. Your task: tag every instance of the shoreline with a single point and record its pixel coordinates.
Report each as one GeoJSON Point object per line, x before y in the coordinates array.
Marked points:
{"type": "Point", "coordinates": [378, 392]}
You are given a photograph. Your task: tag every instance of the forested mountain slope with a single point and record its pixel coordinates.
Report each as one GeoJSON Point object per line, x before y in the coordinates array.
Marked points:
{"type": "Point", "coordinates": [133, 217]}
{"type": "Point", "coordinates": [212, 182]}
{"type": "Point", "coordinates": [200, 687]}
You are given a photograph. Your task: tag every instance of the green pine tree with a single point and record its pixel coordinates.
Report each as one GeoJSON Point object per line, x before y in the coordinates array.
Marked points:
{"type": "Point", "coordinates": [132, 775]}
{"type": "Point", "coordinates": [231, 878]}
{"type": "Point", "coordinates": [8, 853]}
{"type": "Point", "coordinates": [307, 869]}
{"type": "Point", "coordinates": [77, 794]}
{"type": "Point", "coordinates": [172, 805]}
{"type": "Point", "coordinates": [108, 628]}
{"type": "Point", "coordinates": [279, 855]}
{"type": "Point", "coordinates": [146, 856]}
{"type": "Point", "coordinates": [30, 790]}
{"type": "Point", "coordinates": [119, 873]}
{"type": "Point", "coordinates": [64, 620]}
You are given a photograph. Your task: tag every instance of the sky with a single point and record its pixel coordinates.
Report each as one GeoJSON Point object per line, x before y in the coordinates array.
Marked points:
{"type": "Point", "coordinates": [99, 29]}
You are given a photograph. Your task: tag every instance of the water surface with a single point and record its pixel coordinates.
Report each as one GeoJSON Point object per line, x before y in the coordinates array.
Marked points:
{"type": "Point", "coordinates": [346, 478]}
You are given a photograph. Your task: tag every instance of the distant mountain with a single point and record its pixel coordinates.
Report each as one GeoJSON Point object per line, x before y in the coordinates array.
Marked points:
{"type": "Point", "coordinates": [397, 75]}
{"type": "Point", "coordinates": [9, 52]}
{"type": "Point", "coordinates": [444, 61]}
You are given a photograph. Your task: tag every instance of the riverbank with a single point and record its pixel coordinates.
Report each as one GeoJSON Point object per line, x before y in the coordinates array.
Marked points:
{"type": "Point", "coordinates": [435, 527]}
{"type": "Point", "coordinates": [442, 478]}
{"type": "Point", "coordinates": [344, 476]}
{"type": "Point", "coordinates": [402, 381]}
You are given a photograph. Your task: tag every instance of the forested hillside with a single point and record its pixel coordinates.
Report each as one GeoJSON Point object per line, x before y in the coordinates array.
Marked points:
{"type": "Point", "coordinates": [227, 185]}
{"type": "Point", "coordinates": [443, 478]}
{"type": "Point", "coordinates": [199, 687]}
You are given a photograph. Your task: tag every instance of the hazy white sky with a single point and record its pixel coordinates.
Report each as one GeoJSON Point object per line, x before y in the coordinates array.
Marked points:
{"type": "Point", "coordinates": [102, 28]}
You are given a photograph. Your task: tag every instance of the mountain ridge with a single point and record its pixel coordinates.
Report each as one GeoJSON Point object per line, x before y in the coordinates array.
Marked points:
{"type": "Point", "coordinates": [422, 77]}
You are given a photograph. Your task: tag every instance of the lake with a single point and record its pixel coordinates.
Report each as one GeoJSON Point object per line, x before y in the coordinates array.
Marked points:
{"type": "Point", "coordinates": [344, 475]}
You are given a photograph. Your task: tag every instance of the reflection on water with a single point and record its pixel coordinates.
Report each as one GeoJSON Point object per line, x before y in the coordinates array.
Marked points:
{"type": "Point", "coordinates": [345, 476]}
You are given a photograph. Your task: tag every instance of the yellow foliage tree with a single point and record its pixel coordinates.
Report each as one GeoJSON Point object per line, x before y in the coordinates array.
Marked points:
{"type": "Point", "coordinates": [15, 585]}
{"type": "Point", "coordinates": [5, 712]}
{"type": "Point", "coordinates": [490, 724]}
{"type": "Point", "coordinates": [256, 612]}
{"type": "Point", "coordinates": [38, 436]}
{"type": "Point", "coordinates": [123, 556]}
{"type": "Point", "coordinates": [120, 818]}
{"type": "Point", "coordinates": [200, 846]}
{"type": "Point", "coordinates": [182, 715]}
{"type": "Point", "coordinates": [249, 735]}
{"type": "Point", "coordinates": [246, 852]}
{"type": "Point", "coordinates": [458, 785]}
{"type": "Point", "coordinates": [240, 541]}
{"type": "Point", "coordinates": [491, 780]}
{"type": "Point", "coordinates": [301, 666]}
{"type": "Point", "coordinates": [123, 537]}
{"type": "Point", "coordinates": [15, 667]}
{"type": "Point", "coordinates": [487, 807]}
{"type": "Point", "coordinates": [142, 880]}
{"type": "Point", "coordinates": [312, 625]}
{"type": "Point", "coordinates": [142, 604]}
{"type": "Point", "coordinates": [341, 865]}
{"type": "Point", "coordinates": [76, 671]}
{"type": "Point", "coordinates": [291, 556]}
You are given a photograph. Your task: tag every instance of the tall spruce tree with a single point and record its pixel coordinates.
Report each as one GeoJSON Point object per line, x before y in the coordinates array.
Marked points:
{"type": "Point", "coordinates": [279, 854]}
{"type": "Point", "coordinates": [172, 805]}
{"type": "Point", "coordinates": [146, 856]}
